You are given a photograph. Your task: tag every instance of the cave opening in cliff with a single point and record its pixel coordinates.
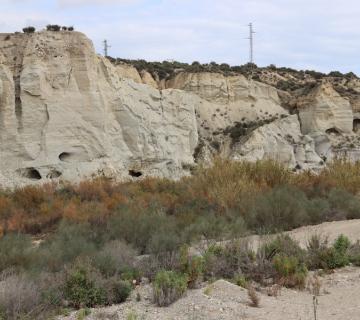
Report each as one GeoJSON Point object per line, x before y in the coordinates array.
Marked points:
{"type": "Point", "coordinates": [32, 173]}
{"type": "Point", "coordinates": [356, 125]}
{"type": "Point", "coordinates": [332, 131]}
{"type": "Point", "coordinates": [64, 156]}
{"type": "Point", "coordinates": [135, 174]}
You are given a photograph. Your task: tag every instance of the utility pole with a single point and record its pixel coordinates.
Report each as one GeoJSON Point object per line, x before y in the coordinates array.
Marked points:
{"type": "Point", "coordinates": [106, 47]}
{"type": "Point", "coordinates": [251, 38]}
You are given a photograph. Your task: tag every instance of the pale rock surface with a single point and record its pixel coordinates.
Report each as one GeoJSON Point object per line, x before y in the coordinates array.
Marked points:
{"type": "Point", "coordinates": [148, 79]}
{"type": "Point", "coordinates": [65, 112]}
{"type": "Point", "coordinates": [128, 72]}
{"type": "Point", "coordinates": [323, 109]}
{"type": "Point", "coordinates": [280, 140]}
{"type": "Point", "coordinates": [228, 100]}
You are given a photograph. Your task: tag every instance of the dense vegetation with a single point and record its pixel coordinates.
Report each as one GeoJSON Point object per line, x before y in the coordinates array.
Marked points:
{"type": "Point", "coordinates": [75, 246]}
{"type": "Point", "coordinates": [168, 69]}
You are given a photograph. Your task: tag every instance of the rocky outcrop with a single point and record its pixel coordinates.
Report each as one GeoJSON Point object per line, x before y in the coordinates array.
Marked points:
{"type": "Point", "coordinates": [280, 140]}
{"type": "Point", "coordinates": [128, 72]}
{"type": "Point", "coordinates": [228, 100]}
{"type": "Point", "coordinates": [324, 110]}
{"type": "Point", "coordinates": [66, 113]}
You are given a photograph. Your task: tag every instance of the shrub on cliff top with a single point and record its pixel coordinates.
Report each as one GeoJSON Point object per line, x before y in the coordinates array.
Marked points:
{"type": "Point", "coordinates": [53, 27]}
{"type": "Point", "coordinates": [29, 30]}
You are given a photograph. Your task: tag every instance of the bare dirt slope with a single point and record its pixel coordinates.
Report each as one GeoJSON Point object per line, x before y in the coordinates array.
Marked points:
{"type": "Point", "coordinates": [339, 295]}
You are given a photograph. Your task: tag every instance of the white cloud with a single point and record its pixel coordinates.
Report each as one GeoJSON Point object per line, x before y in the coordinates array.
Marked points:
{"type": "Point", "coordinates": [296, 33]}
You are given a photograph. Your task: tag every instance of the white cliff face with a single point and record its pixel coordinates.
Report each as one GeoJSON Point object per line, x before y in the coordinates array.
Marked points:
{"type": "Point", "coordinates": [66, 113]}
{"type": "Point", "coordinates": [228, 100]}
{"type": "Point", "coordinates": [128, 72]}
{"type": "Point", "coordinates": [325, 110]}
{"type": "Point", "coordinates": [282, 141]}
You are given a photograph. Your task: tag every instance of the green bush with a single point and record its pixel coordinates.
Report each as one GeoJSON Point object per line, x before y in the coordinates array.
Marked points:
{"type": "Point", "coordinates": [317, 210]}
{"type": "Point", "coordinates": [317, 249]}
{"type": "Point", "coordinates": [338, 255]}
{"type": "Point", "coordinates": [114, 258]}
{"type": "Point", "coordinates": [150, 231]}
{"type": "Point", "coordinates": [131, 274]}
{"type": "Point", "coordinates": [344, 204]}
{"type": "Point", "coordinates": [195, 271]}
{"type": "Point", "coordinates": [53, 27]}
{"type": "Point", "coordinates": [168, 287]}
{"type": "Point", "coordinates": [227, 262]}
{"type": "Point", "coordinates": [29, 30]}
{"type": "Point", "coordinates": [69, 242]}
{"type": "Point", "coordinates": [81, 289]}
{"type": "Point", "coordinates": [283, 245]}
{"type": "Point", "coordinates": [193, 266]}
{"type": "Point", "coordinates": [342, 244]}
{"type": "Point", "coordinates": [281, 208]}
{"type": "Point", "coordinates": [15, 251]}
{"type": "Point", "coordinates": [291, 273]}
{"type": "Point", "coordinates": [120, 291]}
{"type": "Point", "coordinates": [354, 254]}
{"type": "Point", "coordinates": [241, 281]}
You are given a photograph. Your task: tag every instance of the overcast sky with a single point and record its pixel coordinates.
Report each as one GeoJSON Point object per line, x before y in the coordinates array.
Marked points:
{"type": "Point", "coordinates": [303, 34]}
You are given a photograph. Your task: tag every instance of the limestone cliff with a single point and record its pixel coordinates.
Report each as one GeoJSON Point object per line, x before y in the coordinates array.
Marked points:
{"type": "Point", "coordinates": [67, 113]}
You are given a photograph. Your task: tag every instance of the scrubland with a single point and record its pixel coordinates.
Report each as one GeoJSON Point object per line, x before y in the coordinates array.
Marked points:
{"type": "Point", "coordinates": [75, 246]}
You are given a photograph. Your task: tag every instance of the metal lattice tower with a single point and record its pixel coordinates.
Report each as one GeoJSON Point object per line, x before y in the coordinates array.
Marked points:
{"type": "Point", "coordinates": [106, 48]}
{"type": "Point", "coordinates": [251, 38]}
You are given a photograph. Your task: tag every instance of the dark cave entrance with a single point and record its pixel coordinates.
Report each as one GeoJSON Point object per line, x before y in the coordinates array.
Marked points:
{"type": "Point", "coordinates": [135, 174]}
{"type": "Point", "coordinates": [356, 125]}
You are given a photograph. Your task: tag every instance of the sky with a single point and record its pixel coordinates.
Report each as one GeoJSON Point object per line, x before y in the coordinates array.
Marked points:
{"type": "Point", "coordinates": [322, 35]}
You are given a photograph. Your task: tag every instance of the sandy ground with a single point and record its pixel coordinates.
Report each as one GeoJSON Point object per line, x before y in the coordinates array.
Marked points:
{"type": "Point", "coordinates": [339, 295]}
{"type": "Point", "coordinates": [331, 230]}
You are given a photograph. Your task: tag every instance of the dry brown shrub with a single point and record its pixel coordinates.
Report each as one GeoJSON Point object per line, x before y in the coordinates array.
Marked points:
{"type": "Point", "coordinates": [92, 190]}
{"type": "Point", "coordinates": [253, 296]}
{"type": "Point", "coordinates": [343, 174]}
{"type": "Point", "coordinates": [225, 183]}
{"type": "Point", "coordinates": [19, 296]}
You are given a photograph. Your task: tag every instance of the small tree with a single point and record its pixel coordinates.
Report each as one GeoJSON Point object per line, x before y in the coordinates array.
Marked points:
{"type": "Point", "coordinates": [71, 28]}
{"type": "Point", "coordinates": [53, 27]}
{"type": "Point", "coordinates": [29, 30]}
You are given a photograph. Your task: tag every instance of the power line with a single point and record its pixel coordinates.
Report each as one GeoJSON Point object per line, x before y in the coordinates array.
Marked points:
{"type": "Point", "coordinates": [251, 38]}
{"type": "Point", "coordinates": [106, 48]}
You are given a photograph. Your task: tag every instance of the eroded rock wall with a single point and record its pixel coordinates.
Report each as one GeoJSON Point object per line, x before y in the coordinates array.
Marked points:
{"type": "Point", "coordinates": [66, 113]}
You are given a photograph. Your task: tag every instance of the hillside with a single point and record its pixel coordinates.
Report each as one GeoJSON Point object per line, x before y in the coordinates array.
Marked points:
{"type": "Point", "coordinates": [68, 114]}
